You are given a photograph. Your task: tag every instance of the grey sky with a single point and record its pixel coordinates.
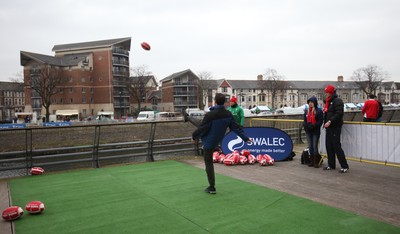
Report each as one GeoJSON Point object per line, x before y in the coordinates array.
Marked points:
{"type": "Point", "coordinates": [302, 40]}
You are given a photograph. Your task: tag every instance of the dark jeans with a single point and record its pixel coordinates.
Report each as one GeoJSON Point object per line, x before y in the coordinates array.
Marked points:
{"type": "Point", "coordinates": [333, 146]}
{"type": "Point", "coordinates": [208, 160]}
{"type": "Point", "coordinates": [312, 140]}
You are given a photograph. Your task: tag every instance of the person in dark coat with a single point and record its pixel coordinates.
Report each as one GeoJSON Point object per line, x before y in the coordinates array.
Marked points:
{"type": "Point", "coordinates": [313, 118]}
{"type": "Point", "coordinates": [211, 131]}
{"type": "Point", "coordinates": [333, 121]}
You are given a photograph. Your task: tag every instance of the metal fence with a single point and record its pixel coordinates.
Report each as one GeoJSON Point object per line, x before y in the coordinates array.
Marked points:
{"type": "Point", "coordinates": [61, 148]}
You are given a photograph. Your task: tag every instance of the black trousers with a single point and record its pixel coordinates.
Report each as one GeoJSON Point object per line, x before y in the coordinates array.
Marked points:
{"type": "Point", "coordinates": [208, 160]}
{"type": "Point", "coordinates": [334, 147]}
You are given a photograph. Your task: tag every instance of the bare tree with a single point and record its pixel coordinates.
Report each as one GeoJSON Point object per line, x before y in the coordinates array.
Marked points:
{"type": "Point", "coordinates": [369, 78]}
{"type": "Point", "coordinates": [205, 84]}
{"type": "Point", "coordinates": [138, 84]}
{"type": "Point", "coordinates": [45, 82]}
{"type": "Point", "coordinates": [274, 83]}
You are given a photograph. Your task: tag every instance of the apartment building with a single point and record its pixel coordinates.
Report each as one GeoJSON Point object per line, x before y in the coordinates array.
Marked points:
{"type": "Point", "coordinates": [180, 91]}
{"type": "Point", "coordinates": [251, 93]}
{"type": "Point", "coordinates": [94, 77]}
{"type": "Point", "coordinates": [12, 100]}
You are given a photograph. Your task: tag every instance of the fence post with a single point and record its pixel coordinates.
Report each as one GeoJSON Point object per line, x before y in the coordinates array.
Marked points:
{"type": "Point", "coordinates": [95, 152]}
{"type": "Point", "coordinates": [28, 149]}
{"type": "Point", "coordinates": [150, 143]}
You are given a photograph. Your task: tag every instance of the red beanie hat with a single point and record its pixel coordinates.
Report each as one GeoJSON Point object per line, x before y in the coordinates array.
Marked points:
{"type": "Point", "coordinates": [234, 99]}
{"type": "Point", "coordinates": [330, 89]}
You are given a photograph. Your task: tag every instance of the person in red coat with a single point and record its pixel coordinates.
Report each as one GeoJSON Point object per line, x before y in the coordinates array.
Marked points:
{"type": "Point", "coordinates": [370, 109]}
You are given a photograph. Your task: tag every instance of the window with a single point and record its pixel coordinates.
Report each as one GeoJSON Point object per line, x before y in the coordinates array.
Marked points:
{"type": "Point", "coordinates": [70, 90]}
{"type": "Point", "coordinates": [84, 112]}
{"type": "Point", "coordinates": [61, 100]}
{"type": "Point", "coordinates": [91, 79]}
{"type": "Point", "coordinates": [91, 101]}
{"type": "Point", "coordinates": [83, 90]}
{"type": "Point", "coordinates": [224, 89]}
{"type": "Point", "coordinates": [91, 90]}
{"type": "Point", "coordinates": [70, 79]}
{"type": "Point", "coordinates": [83, 100]}
{"type": "Point", "coordinates": [83, 79]}
{"type": "Point", "coordinates": [154, 101]}
{"type": "Point", "coordinates": [72, 100]}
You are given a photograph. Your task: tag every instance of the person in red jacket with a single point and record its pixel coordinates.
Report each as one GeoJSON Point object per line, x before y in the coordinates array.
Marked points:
{"type": "Point", "coordinates": [370, 109]}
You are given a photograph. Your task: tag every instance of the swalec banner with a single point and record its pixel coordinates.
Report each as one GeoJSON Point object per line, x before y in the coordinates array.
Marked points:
{"type": "Point", "coordinates": [272, 141]}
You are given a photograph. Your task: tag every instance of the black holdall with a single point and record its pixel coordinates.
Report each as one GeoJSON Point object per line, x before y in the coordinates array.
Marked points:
{"type": "Point", "coordinates": [305, 156]}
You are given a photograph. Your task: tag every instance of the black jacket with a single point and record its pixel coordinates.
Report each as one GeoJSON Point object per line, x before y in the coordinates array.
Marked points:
{"type": "Point", "coordinates": [313, 128]}
{"type": "Point", "coordinates": [214, 125]}
{"type": "Point", "coordinates": [335, 112]}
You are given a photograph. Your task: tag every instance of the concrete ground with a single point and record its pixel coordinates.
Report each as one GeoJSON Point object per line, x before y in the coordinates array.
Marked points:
{"type": "Point", "coordinates": [367, 189]}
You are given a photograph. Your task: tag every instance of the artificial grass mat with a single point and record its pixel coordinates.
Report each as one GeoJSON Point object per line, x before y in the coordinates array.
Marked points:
{"type": "Point", "coordinates": [168, 197]}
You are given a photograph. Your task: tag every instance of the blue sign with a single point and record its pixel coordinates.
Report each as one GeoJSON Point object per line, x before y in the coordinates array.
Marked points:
{"type": "Point", "coordinates": [12, 126]}
{"type": "Point", "coordinates": [56, 124]}
{"type": "Point", "coordinates": [271, 141]}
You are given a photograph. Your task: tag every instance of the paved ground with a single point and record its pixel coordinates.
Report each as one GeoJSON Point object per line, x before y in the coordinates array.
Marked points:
{"type": "Point", "coordinates": [368, 189]}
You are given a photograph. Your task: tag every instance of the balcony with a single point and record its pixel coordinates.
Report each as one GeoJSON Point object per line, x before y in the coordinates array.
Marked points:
{"type": "Point", "coordinates": [121, 73]}
{"type": "Point", "coordinates": [118, 62]}
{"type": "Point", "coordinates": [184, 93]}
{"type": "Point", "coordinates": [119, 51]}
{"type": "Point", "coordinates": [185, 84]}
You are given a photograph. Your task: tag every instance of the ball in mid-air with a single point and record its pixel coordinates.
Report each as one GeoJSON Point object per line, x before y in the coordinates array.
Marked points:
{"type": "Point", "coordinates": [145, 46]}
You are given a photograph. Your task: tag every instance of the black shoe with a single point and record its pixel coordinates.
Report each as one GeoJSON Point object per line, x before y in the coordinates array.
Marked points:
{"type": "Point", "coordinates": [210, 190]}
{"type": "Point", "coordinates": [344, 170]}
{"type": "Point", "coordinates": [328, 168]}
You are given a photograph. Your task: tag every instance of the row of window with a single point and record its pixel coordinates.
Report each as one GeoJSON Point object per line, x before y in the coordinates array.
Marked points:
{"type": "Point", "coordinates": [69, 100]}
{"type": "Point", "coordinates": [71, 90]}
{"type": "Point", "coordinates": [13, 94]}
{"type": "Point", "coordinates": [13, 101]}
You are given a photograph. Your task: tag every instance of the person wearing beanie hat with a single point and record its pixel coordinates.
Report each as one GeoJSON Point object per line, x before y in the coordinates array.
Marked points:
{"type": "Point", "coordinates": [237, 111]}
{"type": "Point", "coordinates": [313, 118]}
{"type": "Point", "coordinates": [330, 89]}
{"type": "Point", "coordinates": [333, 121]}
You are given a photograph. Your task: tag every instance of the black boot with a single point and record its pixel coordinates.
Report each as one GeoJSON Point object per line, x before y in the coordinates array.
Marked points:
{"type": "Point", "coordinates": [311, 161]}
{"type": "Point", "coordinates": [317, 160]}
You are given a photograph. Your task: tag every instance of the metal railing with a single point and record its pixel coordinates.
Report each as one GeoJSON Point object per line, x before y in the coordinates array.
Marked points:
{"type": "Point", "coordinates": [85, 146]}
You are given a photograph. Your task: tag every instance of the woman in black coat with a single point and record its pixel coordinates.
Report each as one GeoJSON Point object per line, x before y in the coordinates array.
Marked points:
{"type": "Point", "coordinates": [313, 118]}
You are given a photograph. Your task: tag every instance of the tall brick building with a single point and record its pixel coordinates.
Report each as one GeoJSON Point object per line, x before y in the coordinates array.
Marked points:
{"type": "Point", "coordinates": [95, 76]}
{"type": "Point", "coordinates": [180, 91]}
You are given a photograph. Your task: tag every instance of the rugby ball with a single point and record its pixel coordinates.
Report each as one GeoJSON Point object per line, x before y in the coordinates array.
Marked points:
{"type": "Point", "coordinates": [270, 160]}
{"type": "Point", "coordinates": [216, 156]}
{"type": "Point", "coordinates": [251, 159]}
{"type": "Point", "coordinates": [145, 46]}
{"type": "Point", "coordinates": [12, 213]}
{"type": "Point", "coordinates": [245, 152]}
{"type": "Point", "coordinates": [37, 171]}
{"type": "Point", "coordinates": [34, 207]}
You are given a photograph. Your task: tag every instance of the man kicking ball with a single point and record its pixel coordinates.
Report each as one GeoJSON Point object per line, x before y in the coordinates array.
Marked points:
{"type": "Point", "coordinates": [211, 131]}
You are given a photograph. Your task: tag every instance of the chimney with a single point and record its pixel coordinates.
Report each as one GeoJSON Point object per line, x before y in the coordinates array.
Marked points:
{"type": "Point", "coordinates": [260, 77]}
{"type": "Point", "coordinates": [340, 78]}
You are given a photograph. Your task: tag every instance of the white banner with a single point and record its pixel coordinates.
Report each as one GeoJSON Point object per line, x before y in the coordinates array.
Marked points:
{"type": "Point", "coordinates": [378, 142]}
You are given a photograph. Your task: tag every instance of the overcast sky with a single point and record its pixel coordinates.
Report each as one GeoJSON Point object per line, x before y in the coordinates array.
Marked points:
{"type": "Point", "coordinates": [301, 39]}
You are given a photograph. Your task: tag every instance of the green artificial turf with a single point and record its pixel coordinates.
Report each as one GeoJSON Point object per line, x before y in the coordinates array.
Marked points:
{"type": "Point", "coordinates": [168, 197]}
